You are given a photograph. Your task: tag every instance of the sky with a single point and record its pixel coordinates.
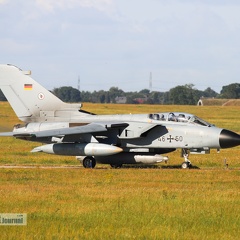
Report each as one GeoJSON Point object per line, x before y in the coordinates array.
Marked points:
{"type": "Point", "coordinates": [120, 43]}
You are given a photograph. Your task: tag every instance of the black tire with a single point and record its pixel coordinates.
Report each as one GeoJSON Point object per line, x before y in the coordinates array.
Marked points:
{"type": "Point", "coordinates": [116, 165]}
{"type": "Point", "coordinates": [185, 165]}
{"type": "Point", "coordinates": [89, 162]}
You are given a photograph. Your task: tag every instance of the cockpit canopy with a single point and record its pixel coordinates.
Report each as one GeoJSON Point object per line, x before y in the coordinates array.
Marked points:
{"type": "Point", "coordinates": [179, 117]}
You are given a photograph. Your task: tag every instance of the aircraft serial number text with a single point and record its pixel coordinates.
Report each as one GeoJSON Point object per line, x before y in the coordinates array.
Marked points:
{"type": "Point", "coordinates": [170, 138]}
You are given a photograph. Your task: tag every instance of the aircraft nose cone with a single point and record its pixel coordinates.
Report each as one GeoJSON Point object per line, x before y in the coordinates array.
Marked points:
{"type": "Point", "coordinates": [229, 139]}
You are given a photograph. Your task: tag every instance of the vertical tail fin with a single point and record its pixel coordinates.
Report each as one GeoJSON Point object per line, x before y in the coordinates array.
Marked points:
{"type": "Point", "coordinates": [29, 99]}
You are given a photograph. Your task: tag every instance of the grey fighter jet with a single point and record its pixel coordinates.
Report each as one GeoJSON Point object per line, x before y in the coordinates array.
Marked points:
{"type": "Point", "coordinates": [65, 129]}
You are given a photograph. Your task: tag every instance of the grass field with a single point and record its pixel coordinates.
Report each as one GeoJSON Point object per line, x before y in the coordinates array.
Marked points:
{"type": "Point", "coordinates": [161, 202]}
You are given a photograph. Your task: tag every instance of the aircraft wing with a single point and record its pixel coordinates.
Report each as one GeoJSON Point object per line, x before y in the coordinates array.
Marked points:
{"type": "Point", "coordinates": [89, 128]}
{"type": "Point", "coordinates": [6, 134]}
{"type": "Point", "coordinates": [132, 130]}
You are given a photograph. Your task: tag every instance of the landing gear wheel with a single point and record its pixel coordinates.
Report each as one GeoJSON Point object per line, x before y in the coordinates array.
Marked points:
{"type": "Point", "coordinates": [89, 162]}
{"type": "Point", "coordinates": [186, 165]}
{"type": "Point", "coordinates": [116, 165]}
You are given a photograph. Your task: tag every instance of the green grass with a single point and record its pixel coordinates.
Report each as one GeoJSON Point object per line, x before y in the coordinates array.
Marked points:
{"type": "Point", "coordinates": [162, 202]}
{"type": "Point", "coordinates": [122, 204]}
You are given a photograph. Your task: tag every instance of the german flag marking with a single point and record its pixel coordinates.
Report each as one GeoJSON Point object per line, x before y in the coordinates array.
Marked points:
{"type": "Point", "coordinates": [27, 86]}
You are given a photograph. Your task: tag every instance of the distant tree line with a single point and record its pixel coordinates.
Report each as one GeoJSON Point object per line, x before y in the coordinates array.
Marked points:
{"type": "Point", "coordinates": [182, 95]}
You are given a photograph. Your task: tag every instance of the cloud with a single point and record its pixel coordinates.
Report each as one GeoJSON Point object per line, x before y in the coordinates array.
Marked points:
{"type": "Point", "coordinates": [11, 46]}
{"type": "Point", "coordinates": [53, 5]}
{"type": "Point", "coordinates": [3, 1]}
{"type": "Point", "coordinates": [179, 41]}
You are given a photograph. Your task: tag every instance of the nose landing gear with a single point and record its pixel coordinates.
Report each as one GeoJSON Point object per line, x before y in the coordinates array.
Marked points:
{"type": "Point", "coordinates": [186, 164]}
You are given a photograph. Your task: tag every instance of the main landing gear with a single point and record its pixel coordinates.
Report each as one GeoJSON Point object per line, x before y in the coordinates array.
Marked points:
{"type": "Point", "coordinates": [116, 165]}
{"type": "Point", "coordinates": [186, 164]}
{"type": "Point", "coordinates": [89, 162]}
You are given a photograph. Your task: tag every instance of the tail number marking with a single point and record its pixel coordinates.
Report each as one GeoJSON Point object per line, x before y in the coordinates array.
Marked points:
{"type": "Point", "coordinates": [170, 139]}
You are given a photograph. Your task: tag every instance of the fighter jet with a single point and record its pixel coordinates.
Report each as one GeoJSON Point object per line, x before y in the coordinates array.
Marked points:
{"type": "Point", "coordinates": [66, 129]}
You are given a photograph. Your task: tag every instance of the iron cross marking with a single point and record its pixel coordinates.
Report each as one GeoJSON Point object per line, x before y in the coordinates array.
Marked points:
{"type": "Point", "coordinates": [170, 138]}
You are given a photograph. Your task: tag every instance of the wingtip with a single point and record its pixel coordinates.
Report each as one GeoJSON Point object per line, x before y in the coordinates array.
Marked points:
{"type": "Point", "coordinates": [6, 134]}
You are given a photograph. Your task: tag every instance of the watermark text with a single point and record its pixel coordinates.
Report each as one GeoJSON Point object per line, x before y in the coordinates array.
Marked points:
{"type": "Point", "coordinates": [13, 219]}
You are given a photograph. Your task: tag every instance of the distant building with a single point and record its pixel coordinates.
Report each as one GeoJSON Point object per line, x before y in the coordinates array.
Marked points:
{"type": "Point", "coordinates": [218, 102]}
{"type": "Point", "coordinates": [140, 100]}
{"type": "Point", "coordinates": [200, 102]}
{"type": "Point", "coordinates": [121, 100]}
